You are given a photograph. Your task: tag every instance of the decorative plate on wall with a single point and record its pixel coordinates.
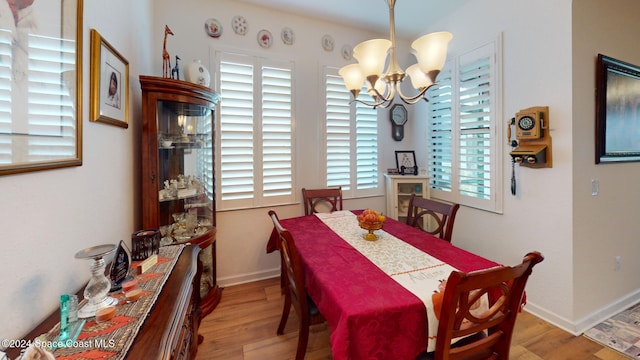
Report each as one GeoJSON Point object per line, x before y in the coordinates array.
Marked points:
{"type": "Point", "coordinates": [239, 25]}
{"type": "Point", "coordinates": [287, 36]}
{"type": "Point", "coordinates": [347, 52]}
{"type": "Point", "coordinates": [265, 39]}
{"type": "Point", "coordinates": [327, 43]}
{"type": "Point", "coordinates": [213, 28]}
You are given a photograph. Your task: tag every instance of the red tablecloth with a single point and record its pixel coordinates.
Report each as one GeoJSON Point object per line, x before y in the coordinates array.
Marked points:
{"type": "Point", "coordinates": [369, 314]}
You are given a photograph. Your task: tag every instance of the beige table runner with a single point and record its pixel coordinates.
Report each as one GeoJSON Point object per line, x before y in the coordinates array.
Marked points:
{"type": "Point", "coordinates": [111, 339]}
{"type": "Point", "coordinates": [415, 270]}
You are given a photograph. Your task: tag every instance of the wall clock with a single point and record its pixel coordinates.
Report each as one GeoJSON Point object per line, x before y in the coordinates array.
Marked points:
{"type": "Point", "coordinates": [398, 116]}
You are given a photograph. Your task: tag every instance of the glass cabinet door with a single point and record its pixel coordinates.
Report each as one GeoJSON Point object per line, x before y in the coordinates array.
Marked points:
{"type": "Point", "coordinates": [178, 184]}
{"type": "Point", "coordinates": [185, 170]}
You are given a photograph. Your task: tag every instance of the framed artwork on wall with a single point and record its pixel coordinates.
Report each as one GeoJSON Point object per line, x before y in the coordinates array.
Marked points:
{"type": "Point", "coordinates": [41, 86]}
{"type": "Point", "coordinates": [109, 83]}
{"type": "Point", "coordinates": [617, 111]}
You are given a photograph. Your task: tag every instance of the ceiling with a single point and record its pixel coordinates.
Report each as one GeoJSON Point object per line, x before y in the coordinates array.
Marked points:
{"type": "Point", "coordinates": [411, 15]}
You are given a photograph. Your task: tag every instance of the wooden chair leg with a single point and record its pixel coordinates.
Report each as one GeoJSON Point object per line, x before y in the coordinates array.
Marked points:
{"type": "Point", "coordinates": [303, 339]}
{"type": "Point", "coordinates": [285, 314]}
{"type": "Point", "coordinates": [282, 277]}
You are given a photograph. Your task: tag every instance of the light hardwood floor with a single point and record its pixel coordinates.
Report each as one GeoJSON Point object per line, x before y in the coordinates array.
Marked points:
{"type": "Point", "coordinates": [243, 327]}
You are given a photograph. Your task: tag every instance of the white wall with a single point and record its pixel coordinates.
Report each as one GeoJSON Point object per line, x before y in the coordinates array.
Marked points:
{"type": "Point", "coordinates": [48, 216]}
{"type": "Point", "coordinates": [605, 226]}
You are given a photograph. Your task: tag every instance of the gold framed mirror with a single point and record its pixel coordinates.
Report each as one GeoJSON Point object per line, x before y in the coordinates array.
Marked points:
{"type": "Point", "coordinates": [40, 85]}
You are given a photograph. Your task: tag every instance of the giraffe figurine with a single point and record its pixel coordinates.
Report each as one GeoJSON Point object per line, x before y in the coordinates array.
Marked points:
{"type": "Point", "coordinates": [175, 71]}
{"type": "Point", "coordinates": [166, 58]}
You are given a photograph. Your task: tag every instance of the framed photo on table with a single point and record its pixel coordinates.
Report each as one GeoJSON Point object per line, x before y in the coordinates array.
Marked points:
{"type": "Point", "coordinates": [406, 162]}
{"type": "Point", "coordinates": [109, 83]}
{"type": "Point", "coordinates": [617, 111]}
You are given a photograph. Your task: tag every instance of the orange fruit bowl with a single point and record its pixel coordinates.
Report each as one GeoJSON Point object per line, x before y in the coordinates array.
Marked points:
{"type": "Point", "coordinates": [370, 227]}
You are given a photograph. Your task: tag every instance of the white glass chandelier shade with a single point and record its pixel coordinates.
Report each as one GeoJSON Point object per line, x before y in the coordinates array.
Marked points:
{"type": "Point", "coordinates": [431, 51]}
{"type": "Point", "coordinates": [371, 56]}
{"type": "Point", "coordinates": [353, 77]}
{"type": "Point", "coordinates": [419, 80]}
{"type": "Point", "coordinates": [380, 87]}
{"type": "Point", "coordinates": [383, 86]}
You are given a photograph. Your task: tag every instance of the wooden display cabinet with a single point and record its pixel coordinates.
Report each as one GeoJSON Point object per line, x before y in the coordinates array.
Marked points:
{"type": "Point", "coordinates": [399, 189]}
{"type": "Point", "coordinates": [178, 187]}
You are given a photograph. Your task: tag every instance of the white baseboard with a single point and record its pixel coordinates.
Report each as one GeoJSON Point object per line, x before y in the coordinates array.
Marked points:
{"type": "Point", "coordinates": [608, 311]}
{"type": "Point", "coordinates": [550, 317]}
{"type": "Point", "coordinates": [578, 327]}
{"type": "Point", "coordinates": [250, 277]}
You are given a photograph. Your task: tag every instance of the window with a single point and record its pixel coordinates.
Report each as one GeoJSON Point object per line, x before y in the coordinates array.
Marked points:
{"type": "Point", "coordinates": [464, 131]}
{"type": "Point", "coordinates": [254, 160]}
{"type": "Point", "coordinates": [351, 140]}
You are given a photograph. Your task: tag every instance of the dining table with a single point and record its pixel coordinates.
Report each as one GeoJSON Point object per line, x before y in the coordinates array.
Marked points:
{"type": "Point", "coordinates": [376, 296]}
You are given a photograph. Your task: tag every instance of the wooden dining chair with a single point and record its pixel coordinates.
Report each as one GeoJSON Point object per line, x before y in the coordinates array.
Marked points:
{"type": "Point", "coordinates": [434, 217]}
{"type": "Point", "coordinates": [295, 291]}
{"type": "Point", "coordinates": [488, 335]}
{"type": "Point", "coordinates": [322, 200]}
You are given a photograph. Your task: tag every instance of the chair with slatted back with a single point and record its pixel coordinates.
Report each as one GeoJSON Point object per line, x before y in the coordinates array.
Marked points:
{"type": "Point", "coordinates": [487, 334]}
{"type": "Point", "coordinates": [295, 292]}
{"type": "Point", "coordinates": [435, 217]}
{"type": "Point", "coordinates": [322, 200]}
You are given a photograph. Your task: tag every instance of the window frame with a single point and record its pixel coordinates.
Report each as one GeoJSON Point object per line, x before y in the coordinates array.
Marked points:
{"type": "Point", "coordinates": [259, 199]}
{"type": "Point", "coordinates": [495, 202]}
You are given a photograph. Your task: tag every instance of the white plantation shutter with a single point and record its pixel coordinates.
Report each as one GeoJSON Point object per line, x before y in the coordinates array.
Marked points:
{"type": "Point", "coordinates": [207, 171]}
{"type": "Point", "coordinates": [47, 128]}
{"type": "Point", "coordinates": [475, 129]}
{"type": "Point", "coordinates": [255, 131]}
{"type": "Point", "coordinates": [464, 123]}
{"type": "Point", "coordinates": [351, 132]}
{"type": "Point", "coordinates": [51, 108]}
{"type": "Point", "coordinates": [366, 146]}
{"type": "Point", "coordinates": [440, 136]}
{"type": "Point", "coordinates": [338, 132]}
{"type": "Point", "coordinates": [5, 97]}
{"type": "Point", "coordinates": [236, 131]}
{"type": "Point", "coordinates": [276, 131]}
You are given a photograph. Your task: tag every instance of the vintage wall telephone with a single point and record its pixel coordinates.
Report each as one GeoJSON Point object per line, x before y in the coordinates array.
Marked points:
{"type": "Point", "coordinates": [532, 145]}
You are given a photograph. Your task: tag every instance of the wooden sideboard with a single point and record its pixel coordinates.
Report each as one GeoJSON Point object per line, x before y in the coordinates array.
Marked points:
{"type": "Point", "coordinates": [171, 329]}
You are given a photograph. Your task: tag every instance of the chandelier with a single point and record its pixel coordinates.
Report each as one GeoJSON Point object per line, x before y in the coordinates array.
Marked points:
{"type": "Point", "coordinates": [430, 50]}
